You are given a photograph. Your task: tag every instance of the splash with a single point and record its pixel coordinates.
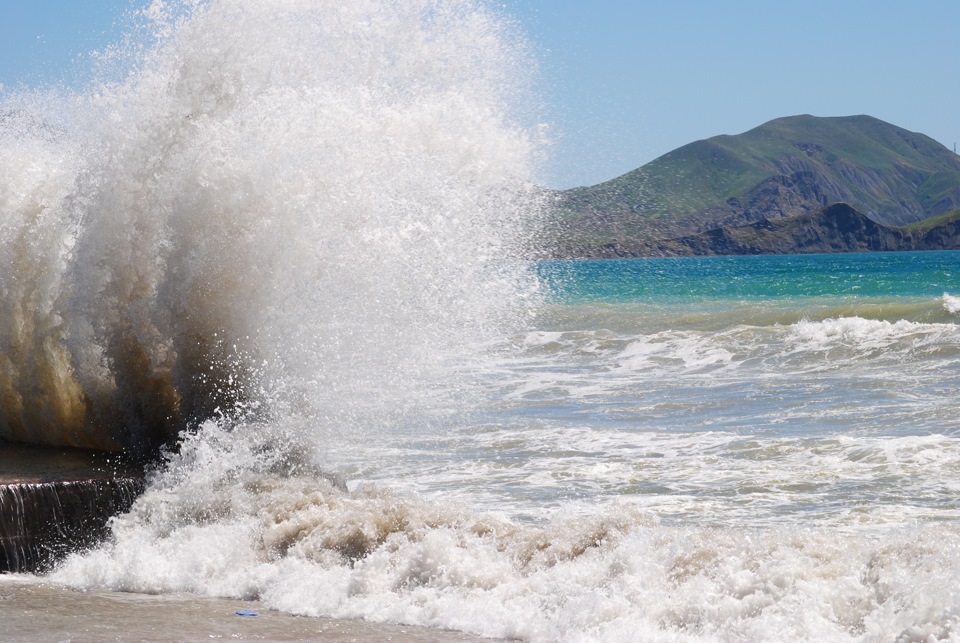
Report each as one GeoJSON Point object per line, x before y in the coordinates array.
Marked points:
{"type": "Point", "coordinates": [288, 209]}
{"type": "Point", "coordinates": [951, 303]}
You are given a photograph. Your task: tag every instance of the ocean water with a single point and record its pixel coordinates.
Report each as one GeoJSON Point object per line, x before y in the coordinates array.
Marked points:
{"type": "Point", "coordinates": [737, 390]}
{"type": "Point", "coordinates": [290, 240]}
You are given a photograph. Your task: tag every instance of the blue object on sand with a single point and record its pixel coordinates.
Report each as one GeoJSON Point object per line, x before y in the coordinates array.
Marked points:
{"type": "Point", "coordinates": [246, 613]}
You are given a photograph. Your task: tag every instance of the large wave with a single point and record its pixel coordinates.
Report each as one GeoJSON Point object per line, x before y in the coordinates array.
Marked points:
{"type": "Point", "coordinates": [294, 209]}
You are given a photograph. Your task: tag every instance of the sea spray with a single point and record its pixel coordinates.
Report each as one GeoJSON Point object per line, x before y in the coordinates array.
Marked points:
{"type": "Point", "coordinates": [40, 401]}
{"type": "Point", "coordinates": [271, 228]}
{"type": "Point", "coordinates": [283, 226]}
{"type": "Point", "coordinates": [299, 209]}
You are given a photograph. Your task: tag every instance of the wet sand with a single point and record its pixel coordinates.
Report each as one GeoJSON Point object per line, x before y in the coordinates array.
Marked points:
{"type": "Point", "coordinates": [34, 612]}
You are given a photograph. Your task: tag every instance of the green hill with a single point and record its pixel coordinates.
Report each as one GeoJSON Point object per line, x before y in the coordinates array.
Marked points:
{"type": "Point", "coordinates": [934, 222]}
{"type": "Point", "coordinates": [787, 167]}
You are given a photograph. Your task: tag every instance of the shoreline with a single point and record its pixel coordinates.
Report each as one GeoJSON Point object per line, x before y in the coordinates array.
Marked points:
{"type": "Point", "coordinates": [35, 611]}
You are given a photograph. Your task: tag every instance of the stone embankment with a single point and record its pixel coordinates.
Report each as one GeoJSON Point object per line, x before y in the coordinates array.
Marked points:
{"type": "Point", "coordinates": [54, 501]}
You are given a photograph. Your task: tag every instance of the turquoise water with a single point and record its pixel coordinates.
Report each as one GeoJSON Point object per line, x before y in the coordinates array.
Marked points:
{"type": "Point", "coordinates": [755, 278]}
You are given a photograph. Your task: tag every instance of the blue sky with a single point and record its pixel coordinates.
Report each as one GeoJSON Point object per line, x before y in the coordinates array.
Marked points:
{"type": "Point", "coordinates": [624, 82]}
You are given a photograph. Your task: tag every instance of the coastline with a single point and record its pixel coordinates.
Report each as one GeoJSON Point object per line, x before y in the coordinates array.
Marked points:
{"type": "Point", "coordinates": [37, 611]}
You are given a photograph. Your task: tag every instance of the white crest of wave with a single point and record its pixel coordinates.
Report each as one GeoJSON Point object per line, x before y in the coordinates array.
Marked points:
{"type": "Point", "coordinates": [951, 303]}
{"type": "Point", "coordinates": [311, 204]}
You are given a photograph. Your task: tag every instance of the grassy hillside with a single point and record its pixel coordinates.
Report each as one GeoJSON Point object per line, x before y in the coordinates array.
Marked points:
{"type": "Point", "coordinates": [934, 222]}
{"type": "Point", "coordinates": [786, 167]}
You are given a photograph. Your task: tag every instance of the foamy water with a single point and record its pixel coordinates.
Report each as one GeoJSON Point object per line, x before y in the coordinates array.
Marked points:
{"type": "Point", "coordinates": [295, 234]}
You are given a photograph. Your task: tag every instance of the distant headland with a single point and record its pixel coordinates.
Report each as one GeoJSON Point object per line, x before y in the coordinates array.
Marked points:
{"type": "Point", "coordinates": [800, 184]}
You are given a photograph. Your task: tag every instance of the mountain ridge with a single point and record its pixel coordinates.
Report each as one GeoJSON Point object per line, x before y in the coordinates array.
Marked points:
{"type": "Point", "coordinates": [783, 168]}
{"type": "Point", "coordinates": [835, 228]}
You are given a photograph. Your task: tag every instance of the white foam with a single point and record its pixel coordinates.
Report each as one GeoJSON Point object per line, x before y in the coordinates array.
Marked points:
{"type": "Point", "coordinates": [302, 546]}
{"type": "Point", "coordinates": [951, 303]}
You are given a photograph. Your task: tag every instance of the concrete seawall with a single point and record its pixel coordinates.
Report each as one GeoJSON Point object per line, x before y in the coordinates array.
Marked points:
{"type": "Point", "coordinates": [54, 501]}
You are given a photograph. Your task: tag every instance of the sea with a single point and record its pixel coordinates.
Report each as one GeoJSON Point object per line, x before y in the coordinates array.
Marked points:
{"type": "Point", "coordinates": [294, 240]}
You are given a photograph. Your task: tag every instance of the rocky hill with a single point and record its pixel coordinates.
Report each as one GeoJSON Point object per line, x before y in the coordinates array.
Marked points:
{"type": "Point", "coordinates": [784, 168]}
{"type": "Point", "coordinates": [835, 228]}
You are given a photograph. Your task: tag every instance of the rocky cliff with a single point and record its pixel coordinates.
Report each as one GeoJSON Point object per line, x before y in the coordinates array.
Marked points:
{"type": "Point", "coordinates": [835, 228]}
